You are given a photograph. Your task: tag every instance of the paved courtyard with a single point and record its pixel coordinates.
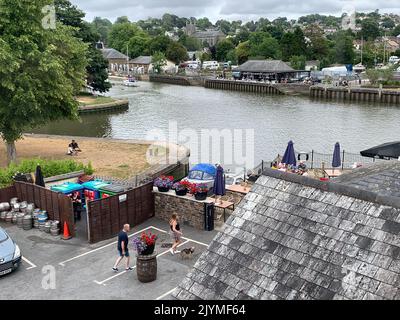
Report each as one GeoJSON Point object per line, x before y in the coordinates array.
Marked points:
{"type": "Point", "coordinates": [83, 271]}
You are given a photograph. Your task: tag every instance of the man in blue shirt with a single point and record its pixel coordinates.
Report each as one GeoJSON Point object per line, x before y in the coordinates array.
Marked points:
{"type": "Point", "coordinates": [123, 249]}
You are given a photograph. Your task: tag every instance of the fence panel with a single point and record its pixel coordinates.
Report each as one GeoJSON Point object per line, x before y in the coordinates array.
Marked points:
{"type": "Point", "coordinates": [106, 216]}
{"type": "Point", "coordinates": [58, 206]}
{"type": "Point", "coordinates": [6, 194]}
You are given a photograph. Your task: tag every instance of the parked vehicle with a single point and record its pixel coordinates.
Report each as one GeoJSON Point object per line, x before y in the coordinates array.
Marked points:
{"type": "Point", "coordinates": [394, 59]}
{"type": "Point", "coordinates": [210, 65]}
{"type": "Point", "coordinates": [203, 173]}
{"type": "Point", "coordinates": [10, 254]}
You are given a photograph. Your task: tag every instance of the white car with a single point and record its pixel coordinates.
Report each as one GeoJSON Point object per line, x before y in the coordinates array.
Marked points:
{"type": "Point", "coordinates": [210, 65]}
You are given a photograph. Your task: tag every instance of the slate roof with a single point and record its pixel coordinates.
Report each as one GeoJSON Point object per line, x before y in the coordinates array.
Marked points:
{"type": "Point", "coordinates": [293, 237]}
{"type": "Point", "coordinates": [382, 178]}
{"type": "Point", "coordinates": [208, 34]}
{"type": "Point", "coordinates": [142, 60]}
{"type": "Point", "coordinates": [265, 66]}
{"type": "Point", "coordinates": [110, 53]}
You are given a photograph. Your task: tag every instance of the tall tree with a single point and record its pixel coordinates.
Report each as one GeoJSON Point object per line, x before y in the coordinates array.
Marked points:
{"type": "Point", "coordinates": [370, 29]}
{"type": "Point", "coordinates": [223, 47]}
{"type": "Point", "coordinates": [158, 60]}
{"type": "Point", "coordinates": [70, 15]}
{"type": "Point", "coordinates": [344, 49]}
{"type": "Point", "coordinates": [102, 27]}
{"type": "Point", "coordinates": [41, 70]}
{"type": "Point", "coordinates": [176, 52]}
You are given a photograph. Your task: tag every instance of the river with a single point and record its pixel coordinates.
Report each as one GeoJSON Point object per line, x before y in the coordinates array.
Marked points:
{"type": "Point", "coordinates": [312, 125]}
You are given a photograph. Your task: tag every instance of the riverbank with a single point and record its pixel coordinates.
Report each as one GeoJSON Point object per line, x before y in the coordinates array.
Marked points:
{"type": "Point", "coordinates": [91, 103]}
{"type": "Point", "coordinates": [109, 157]}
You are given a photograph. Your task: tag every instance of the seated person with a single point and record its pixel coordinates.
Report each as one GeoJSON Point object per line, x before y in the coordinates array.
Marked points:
{"type": "Point", "coordinates": [73, 148]}
{"type": "Point", "coordinates": [302, 166]}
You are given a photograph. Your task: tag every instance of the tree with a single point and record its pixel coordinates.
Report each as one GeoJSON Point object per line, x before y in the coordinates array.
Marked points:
{"type": "Point", "coordinates": [191, 43]}
{"type": "Point", "coordinates": [298, 62]}
{"type": "Point", "coordinates": [223, 47]}
{"type": "Point", "coordinates": [263, 45]}
{"type": "Point", "coordinates": [396, 31]}
{"type": "Point", "coordinates": [51, 68]}
{"type": "Point", "coordinates": [138, 45]}
{"type": "Point", "coordinates": [158, 60]}
{"type": "Point", "coordinates": [123, 19]}
{"type": "Point", "coordinates": [102, 27]}
{"type": "Point", "coordinates": [176, 52]}
{"type": "Point", "coordinates": [318, 46]}
{"type": "Point", "coordinates": [97, 71]}
{"type": "Point", "coordinates": [343, 49]}
{"type": "Point", "coordinates": [232, 56]}
{"type": "Point", "coordinates": [159, 44]}
{"type": "Point", "coordinates": [243, 52]}
{"type": "Point", "coordinates": [121, 33]}
{"type": "Point", "coordinates": [370, 29]}
{"type": "Point", "coordinates": [203, 23]}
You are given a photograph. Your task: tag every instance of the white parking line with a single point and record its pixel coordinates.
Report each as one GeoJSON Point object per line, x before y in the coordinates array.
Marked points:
{"type": "Point", "coordinates": [100, 248]}
{"type": "Point", "coordinates": [184, 238]}
{"type": "Point", "coordinates": [166, 294]}
{"type": "Point", "coordinates": [123, 272]}
{"type": "Point", "coordinates": [32, 265]}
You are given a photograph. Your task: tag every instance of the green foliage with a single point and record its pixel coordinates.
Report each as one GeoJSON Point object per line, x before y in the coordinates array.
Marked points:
{"type": "Point", "coordinates": [380, 76]}
{"type": "Point", "coordinates": [159, 44]}
{"type": "Point", "coordinates": [176, 52]}
{"type": "Point", "coordinates": [158, 60]}
{"type": "Point", "coordinates": [262, 44]}
{"type": "Point", "coordinates": [121, 33]}
{"type": "Point", "coordinates": [49, 168]}
{"type": "Point", "coordinates": [293, 44]}
{"type": "Point", "coordinates": [223, 47]}
{"type": "Point", "coordinates": [97, 71]}
{"type": "Point", "coordinates": [203, 23]}
{"type": "Point", "coordinates": [343, 51]}
{"type": "Point", "coordinates": [40, 70]}
{"type": "Point", "coordinates": [191, 43]}
{"type": "Point", "coordinates": [298, 62]}
{"type": "Point", "coordinates": [102, 27]}
{"type": "Point", "coordinates": [243, 52]}
{"type": "Point", "coordinates": [370, 29]}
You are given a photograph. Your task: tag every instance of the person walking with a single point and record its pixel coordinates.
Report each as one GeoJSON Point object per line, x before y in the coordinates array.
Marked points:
{"type": "Point", "coordinates": [77, 205]}
{"type": "Point", "coordinates": [176, 233]}
{"type": "Point", "coordinates": [123, 249]}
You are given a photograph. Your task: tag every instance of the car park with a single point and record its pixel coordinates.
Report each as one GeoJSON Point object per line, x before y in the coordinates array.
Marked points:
{"type": "Point", "coordinates": [10, 254]}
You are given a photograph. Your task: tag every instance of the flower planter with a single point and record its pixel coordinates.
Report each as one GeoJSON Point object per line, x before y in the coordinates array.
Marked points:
{"type": "Point", "coordinates": [163, 189]}
{"type": "Point", "coordinates": [200, 196]}
{"type": "Point", "coordinates": [181, 192]}
{"type": "Point", "coordinates": [146, 267]}
{"type": "Point", "coordinates": [148, 251]}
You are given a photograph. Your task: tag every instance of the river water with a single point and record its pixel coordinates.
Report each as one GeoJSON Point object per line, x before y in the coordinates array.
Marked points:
{"type": "Point", "coordinates": [312, 125]}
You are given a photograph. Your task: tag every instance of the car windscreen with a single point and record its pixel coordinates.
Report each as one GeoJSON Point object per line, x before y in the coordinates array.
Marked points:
{"type": "Point", "coordinates": [207, 176]}
{"type": "Point", "coordinates": [196, 175]}
{"type": "Point", "coordinates": [3, 236]}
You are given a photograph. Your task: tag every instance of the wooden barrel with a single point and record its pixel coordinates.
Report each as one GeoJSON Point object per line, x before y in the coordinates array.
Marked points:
{"type": "Point", "coordinates": [9, 216]}
{"type": "Point", "coordinates": [146, 267]}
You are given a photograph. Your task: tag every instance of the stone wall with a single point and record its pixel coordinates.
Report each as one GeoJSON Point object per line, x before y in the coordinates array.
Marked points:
{"type": "Point", "coordinates": [189, 210]}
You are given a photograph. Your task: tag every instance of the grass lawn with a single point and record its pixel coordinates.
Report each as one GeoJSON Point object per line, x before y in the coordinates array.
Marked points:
{"type": "Point", "coordinates": [92, 100]}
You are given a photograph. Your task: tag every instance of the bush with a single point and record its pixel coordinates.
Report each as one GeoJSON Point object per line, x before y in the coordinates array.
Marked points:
{"type": "Point", "coordinates": [49, 168]}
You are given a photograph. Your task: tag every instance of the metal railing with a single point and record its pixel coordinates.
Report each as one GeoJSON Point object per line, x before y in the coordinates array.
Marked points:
{"type": "Point", "coordinates": [317, 160]}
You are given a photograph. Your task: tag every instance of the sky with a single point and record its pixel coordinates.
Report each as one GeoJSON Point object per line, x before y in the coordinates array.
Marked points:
{"type": "Point", "coordinates": [228, 9]}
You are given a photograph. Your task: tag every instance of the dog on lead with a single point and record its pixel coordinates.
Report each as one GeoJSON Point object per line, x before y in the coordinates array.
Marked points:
{"type": "Point", "coordinates": [187, 253]}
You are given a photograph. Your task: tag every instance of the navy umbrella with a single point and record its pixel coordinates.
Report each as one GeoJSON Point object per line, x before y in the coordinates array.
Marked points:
{"type": "Point", "coordinates": [219, 182]}
{"type": "Point", "coordinates": [336, 161]}
{"type": "Point", "coordinates": [289, 157]}
{"type": "Point", "coordinates": [39, 179]}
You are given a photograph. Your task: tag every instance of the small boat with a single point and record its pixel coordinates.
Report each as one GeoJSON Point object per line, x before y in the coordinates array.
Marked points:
{"type": "Point", "coordinates": [131, 82]}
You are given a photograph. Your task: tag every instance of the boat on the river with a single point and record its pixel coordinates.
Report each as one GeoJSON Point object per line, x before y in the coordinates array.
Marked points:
{"type": "Point", "coordinates": [131, 82]}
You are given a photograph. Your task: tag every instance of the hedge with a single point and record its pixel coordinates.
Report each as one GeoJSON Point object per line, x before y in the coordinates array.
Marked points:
{"type": "Point", "coordinates": [49, 168]}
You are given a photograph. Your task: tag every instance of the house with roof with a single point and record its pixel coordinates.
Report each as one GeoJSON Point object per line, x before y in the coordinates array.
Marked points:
{"type": "Point", "coordinates": [209, 36]}
{"type": "Point", "coordinates": [143, 65]}
{"type": "Point", "coordinates": [297, 238]}
{"type": "Point", "coordinates": [117, 61]}
{"type": "Point", "coordinates": [273, 70]}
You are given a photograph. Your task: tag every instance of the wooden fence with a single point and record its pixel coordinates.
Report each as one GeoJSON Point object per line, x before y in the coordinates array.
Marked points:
{"type": "Point", "coordinates": [58, 206]}
{"type": "Point", "coordinates": [7, 193]}
{"type": "Point", "coordinates": [107, 216]}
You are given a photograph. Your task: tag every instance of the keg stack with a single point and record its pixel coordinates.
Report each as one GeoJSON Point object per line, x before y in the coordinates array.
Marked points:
{"type": "Point", "coordinates": [26, 217]}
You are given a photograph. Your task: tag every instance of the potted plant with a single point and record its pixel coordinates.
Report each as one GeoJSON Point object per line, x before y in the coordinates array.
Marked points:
{"type": "Point", "coordinates": [181, 188]}
{"type": "Point", "coordinates": [146, 261]}
{"type": "Point", "coordinates": [200, 191]}
{"type": "Point", "coordinates": [164, 183]}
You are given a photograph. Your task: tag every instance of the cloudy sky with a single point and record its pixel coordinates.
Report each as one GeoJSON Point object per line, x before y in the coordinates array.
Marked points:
{"type": "Point", "coordinates": [228, 9]}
